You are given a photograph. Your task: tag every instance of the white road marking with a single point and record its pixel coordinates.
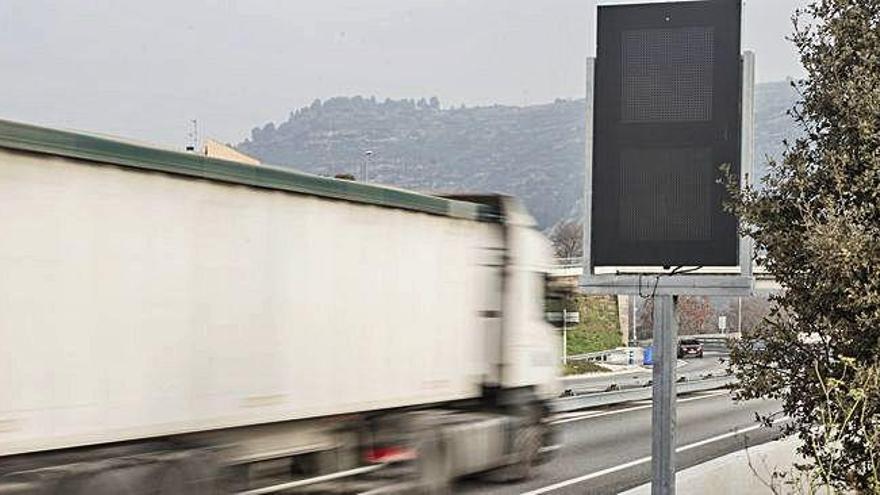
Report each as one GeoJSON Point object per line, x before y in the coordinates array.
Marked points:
{"type": "Point", "coordinates": [643, 460]}
{"type": "Point", "coordinates": [588, 477]}
{"type": "Point", "coordinates": [599, 414]}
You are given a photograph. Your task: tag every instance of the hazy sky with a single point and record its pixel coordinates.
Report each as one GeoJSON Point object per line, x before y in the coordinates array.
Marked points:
{"type": "Point", "coordinates": [143, 69]}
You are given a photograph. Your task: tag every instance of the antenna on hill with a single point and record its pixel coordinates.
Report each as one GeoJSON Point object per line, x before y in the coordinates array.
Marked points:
{"type": "Point", "coordinates": [193, 136]}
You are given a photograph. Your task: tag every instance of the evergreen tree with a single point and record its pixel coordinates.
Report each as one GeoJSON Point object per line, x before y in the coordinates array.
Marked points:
{"type": "Point", "coordinates": [817, 224]}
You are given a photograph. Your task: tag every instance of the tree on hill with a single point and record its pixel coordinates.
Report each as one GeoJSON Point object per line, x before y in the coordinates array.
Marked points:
{"type": "Point", "coordinates": [817, 219]}
{"type": "Point", "coordinates": [695, 316]}
{"type": "Point", "coordinates": [568, 240]}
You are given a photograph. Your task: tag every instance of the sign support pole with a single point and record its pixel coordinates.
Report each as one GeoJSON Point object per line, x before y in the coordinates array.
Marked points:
{"type": "Point", "coordinates": [564, 336]}
{"type": "Point", "coordinates": [663, 414]}
{"type": "Point", "coordinates": [635, 333]}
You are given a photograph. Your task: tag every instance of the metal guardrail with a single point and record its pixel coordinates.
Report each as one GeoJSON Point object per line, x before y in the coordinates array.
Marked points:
{"type": "Point", "coordinates": [619, 355]}
{"type": "Point", "coordinates": [728, 335]}
{"type": "Point", "coordinates": [714, 344]}
{"type": "Point", "coordinates": [592, 356]}
{"type": "Point", "coordinates": [588, 401]}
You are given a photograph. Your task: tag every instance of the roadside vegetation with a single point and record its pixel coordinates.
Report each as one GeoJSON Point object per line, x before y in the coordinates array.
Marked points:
{"type": "Point", "coordinates": [583, 367]}
{"type": "Point", "coordinates": [817, 222]}
{"type": "Point", "coordinates": [599, 328]}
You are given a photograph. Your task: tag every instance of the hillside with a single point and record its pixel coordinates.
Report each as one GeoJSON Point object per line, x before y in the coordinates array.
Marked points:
{"type": "Point", "coordinates": [534, 152]}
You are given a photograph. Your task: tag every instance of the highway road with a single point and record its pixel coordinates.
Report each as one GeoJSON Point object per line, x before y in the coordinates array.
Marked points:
{"type": "Point", "coordinates": [608, 451]}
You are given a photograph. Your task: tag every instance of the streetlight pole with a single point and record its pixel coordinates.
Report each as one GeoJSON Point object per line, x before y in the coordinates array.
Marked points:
{"type": "Point", "coordinates": [739, 315]}
{"type": "Point", "coordinates": [635, 334]}
{"type": "Point", "coordinates": [365, 175]}
{"type": "Point", "coordinates": [564, 336]}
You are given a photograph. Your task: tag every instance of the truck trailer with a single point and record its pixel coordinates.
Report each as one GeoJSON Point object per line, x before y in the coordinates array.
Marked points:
{"type": "Point", "coordinates": [176, 323]}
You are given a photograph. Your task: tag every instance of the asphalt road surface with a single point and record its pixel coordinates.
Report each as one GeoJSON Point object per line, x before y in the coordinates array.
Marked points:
{"type": "Point", "coordinates": [608, 451]}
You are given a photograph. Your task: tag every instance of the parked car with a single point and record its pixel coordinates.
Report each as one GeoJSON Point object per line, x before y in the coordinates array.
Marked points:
{"type": "Point", "coordinates": [690, 347]}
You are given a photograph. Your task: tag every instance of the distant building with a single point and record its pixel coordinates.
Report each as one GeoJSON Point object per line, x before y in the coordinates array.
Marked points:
{"type": "Point", "coordinates": [215, 149]}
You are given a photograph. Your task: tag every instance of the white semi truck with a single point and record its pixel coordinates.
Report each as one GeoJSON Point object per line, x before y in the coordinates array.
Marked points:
{"type": "Point", "coordinates": [174, 323]}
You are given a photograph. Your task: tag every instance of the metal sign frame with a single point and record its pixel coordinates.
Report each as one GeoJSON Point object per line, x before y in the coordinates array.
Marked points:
{"type": "Point", "coordinates": [646, 281]}
{"type": "Point", "coordinates": [665, 287]}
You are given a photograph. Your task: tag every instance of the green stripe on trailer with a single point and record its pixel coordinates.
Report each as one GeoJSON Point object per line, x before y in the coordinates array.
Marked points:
{"type": "Point", "coordinates": [26, 137]}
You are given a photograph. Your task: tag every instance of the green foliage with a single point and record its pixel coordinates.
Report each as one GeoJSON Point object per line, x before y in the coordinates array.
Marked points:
{"type": "Point", "coordinates": [817, 221]}
{"type": "Point", "coordinates": [599, 328]}
{"type": "Point", "coordinates": [582, 368]}
{"type": "Point", "coordinates": [696, 315]}
{"type": "Point", "coordinates": [581, 341]}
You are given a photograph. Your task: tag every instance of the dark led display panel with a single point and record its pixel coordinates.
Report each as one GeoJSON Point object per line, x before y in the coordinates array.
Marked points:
{"type": "Point", "coordinates": [666, 118]}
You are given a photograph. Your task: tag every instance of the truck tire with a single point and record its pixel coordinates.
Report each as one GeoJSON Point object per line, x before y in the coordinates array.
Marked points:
{"type": "Point", "coordinates": [193, 474]}
{"type": "Point", "coordinates": [527, 444]}
{"type": "Point", "coordinates": [171, 480]}
{"type": "Point", "coordinates": [549, 437]}
{"type": "Point", "coordinates": [434, 469]}
{"type": "Point", "coordinates": [201, 472]}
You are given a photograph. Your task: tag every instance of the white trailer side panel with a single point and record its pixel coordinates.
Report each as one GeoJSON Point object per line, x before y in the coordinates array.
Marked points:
{"type": "Point", "coordinates": [138, 304]}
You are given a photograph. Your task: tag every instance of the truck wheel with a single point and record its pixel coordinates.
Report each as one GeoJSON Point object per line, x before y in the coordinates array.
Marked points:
{"type": "Point", "coordinates": [171, 480]}
{"type": "Point", "coordinates": [525, 457]}
{"type": "Point", "coordinates": [194, 474]}
{"type": "Point", "coordinates": [201, 472]}
{"type": "Point", "coordinates": [549, 437]}
{"type": "Point", "coordinates": [434, 470]}
{"type": "Point", "coordinates": [527, 448]}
